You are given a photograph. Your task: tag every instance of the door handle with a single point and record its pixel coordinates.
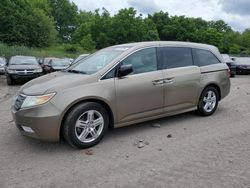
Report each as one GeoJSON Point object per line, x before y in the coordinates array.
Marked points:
{"type": "Point", "coordinates": [158, 82]}
{"type": "Point", "coordinates": [163, 81]}
{"type": "Point", "coordinates": [168, 80]}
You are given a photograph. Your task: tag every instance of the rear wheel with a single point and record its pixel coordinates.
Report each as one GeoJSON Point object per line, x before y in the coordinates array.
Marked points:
{"type": "Point", "coordinates": [208, 101]}
{"type": "Point", "coordinates": [85, 125]}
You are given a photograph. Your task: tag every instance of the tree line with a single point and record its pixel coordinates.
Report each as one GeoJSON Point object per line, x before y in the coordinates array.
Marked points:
{"type": "Point", "coordinates": [41, 23]}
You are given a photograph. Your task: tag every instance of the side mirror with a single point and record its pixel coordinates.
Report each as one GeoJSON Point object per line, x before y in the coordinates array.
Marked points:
{"type": "Point", "coordinates": [124, 70]}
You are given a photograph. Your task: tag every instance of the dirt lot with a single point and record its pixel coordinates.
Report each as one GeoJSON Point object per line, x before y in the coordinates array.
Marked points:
{"type": "Point", "coordinates": [185, 151]}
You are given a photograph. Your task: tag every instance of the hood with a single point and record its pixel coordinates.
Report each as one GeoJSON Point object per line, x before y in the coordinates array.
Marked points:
{"type": "Point", "coordinates": [243, 63]}
{"type": "Point", "coordinates": [27, 67]}
{"type": "Point", "coordinates": [54, 82]}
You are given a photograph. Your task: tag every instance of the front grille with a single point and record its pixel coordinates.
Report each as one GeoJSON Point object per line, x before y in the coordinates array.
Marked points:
{"type": "Point", "coordinates": [19, 101]}
{"type": "Point", "coordinates": [24, 71]}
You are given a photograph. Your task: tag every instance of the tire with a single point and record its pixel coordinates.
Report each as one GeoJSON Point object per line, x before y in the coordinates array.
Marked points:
{"type": "Point", "coordinates": [208, 101]}
{"type": "Point", "coordinates": [85, 125]}
{"type": "Point", "coordinates": [10, 81]}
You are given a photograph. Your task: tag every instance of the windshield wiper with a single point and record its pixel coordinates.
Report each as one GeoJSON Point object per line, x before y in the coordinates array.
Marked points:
{"type": "Point", "coordinates": [76, 71]}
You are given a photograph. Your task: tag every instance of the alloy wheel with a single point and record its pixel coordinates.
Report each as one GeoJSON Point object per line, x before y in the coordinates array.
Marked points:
{"type": "Point", "coordinates": [89, 126]}
{"type": "Point", "coordinates": [209, 101]}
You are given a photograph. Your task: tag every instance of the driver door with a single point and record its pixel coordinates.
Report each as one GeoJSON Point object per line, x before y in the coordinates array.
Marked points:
{"type": "Point", "coordinates": [140, 94]}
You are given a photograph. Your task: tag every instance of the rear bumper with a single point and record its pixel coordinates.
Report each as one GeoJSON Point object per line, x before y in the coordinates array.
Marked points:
{"type": "Point", "coordinates": [42, 123]}
{"type": "Point", "coordinates": [225, 88]}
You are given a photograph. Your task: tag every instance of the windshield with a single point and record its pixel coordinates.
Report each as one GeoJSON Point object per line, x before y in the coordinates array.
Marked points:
{"type": "Point", "coordinates": [60, 62]}
{"type": "Point", "coordinates": [243, 60]}
{"type": "Point", "coordinates": [80, 57]}
{"type": "Point", "coordinates": [18, 60]}
{"type": "Point", "coordinates": [97, 61]}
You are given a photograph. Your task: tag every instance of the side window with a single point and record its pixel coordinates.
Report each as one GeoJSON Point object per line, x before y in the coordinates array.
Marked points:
{"type": "Point", "coordinates": [142, 61]}
{"type": "Point", "coordinates": [173, 57]}
{"type": "Point", "coordinates": [204, 57]}
{"type": "Point", "coordinates": [110, 74]}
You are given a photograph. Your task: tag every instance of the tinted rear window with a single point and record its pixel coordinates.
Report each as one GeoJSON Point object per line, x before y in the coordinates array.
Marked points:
{"type": "Point", "coordinates": [204, 57]}
{"type": "Point", "coordinates": [174, 57]}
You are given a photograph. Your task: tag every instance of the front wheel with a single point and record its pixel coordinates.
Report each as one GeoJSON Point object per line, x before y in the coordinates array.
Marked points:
{"type": "Point", "coordinates": [10, 81]}
{"type": "Point", "coordinates": [208, 101]}
{"type": "Point", "coordinates": [85, 125]}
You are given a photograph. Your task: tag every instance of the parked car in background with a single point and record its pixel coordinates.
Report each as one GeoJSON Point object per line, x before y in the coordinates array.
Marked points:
{"type": "Point", "coordinates": [119, 86]}
{"type": "Point", "coordinates": [69, 59]}
{"type": "Point", "coordinates": [242, 65]}
{"type": "Point", "coordinates": [230, 63]}
{"type": "Point", "coordinates": [80, 57]}
{"type": "Point", "coordinates": [22, 68]}
{"type": "Point", "coordinates": [45, 62]}
{"type": "Point", "coordinates": [40, 61]}
{"type": "Point", "coordinates": [2, 65]}
{"type": "Point", "coordinates": [58, 64]}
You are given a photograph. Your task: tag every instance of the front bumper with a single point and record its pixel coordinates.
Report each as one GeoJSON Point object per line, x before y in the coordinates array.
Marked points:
{"type": "Point", "coordinates": [25, 77]}
{"type": "Point", "coordinates": [241, 70]}
{"type": "Point", "coordinates": [42, 122]}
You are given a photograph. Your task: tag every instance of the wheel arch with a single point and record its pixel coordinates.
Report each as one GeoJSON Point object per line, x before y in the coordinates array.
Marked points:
{"type": "Point", "coordinates": [216, 86]}
{"type": "Point", "coordinates": [99, 101]}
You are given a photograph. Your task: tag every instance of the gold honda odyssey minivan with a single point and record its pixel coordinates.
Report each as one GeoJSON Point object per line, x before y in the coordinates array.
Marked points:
{"type": "Point", "coordinates": [119, 86]}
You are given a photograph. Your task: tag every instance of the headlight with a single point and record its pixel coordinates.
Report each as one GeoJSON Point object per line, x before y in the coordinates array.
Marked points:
{"type": "Point", "coordinates": [10, 71]}
{"type": "Point", "coordinates": [37, 100]}
{"type": "Point", "coordinates": [38, 70]}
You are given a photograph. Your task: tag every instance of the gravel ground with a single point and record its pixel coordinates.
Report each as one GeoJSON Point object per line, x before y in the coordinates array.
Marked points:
{"type": "Point", "coordinates": [181, 151]}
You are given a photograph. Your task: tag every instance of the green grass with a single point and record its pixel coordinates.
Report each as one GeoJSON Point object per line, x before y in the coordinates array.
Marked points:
{"type": "Point", "coordinates": [55, 51]}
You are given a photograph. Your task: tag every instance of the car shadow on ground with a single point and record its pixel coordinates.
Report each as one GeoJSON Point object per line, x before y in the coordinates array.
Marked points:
{"type": "Point", "coordinates": [149, 125]}
{"type": "Point", "coordinates": [118, 134]}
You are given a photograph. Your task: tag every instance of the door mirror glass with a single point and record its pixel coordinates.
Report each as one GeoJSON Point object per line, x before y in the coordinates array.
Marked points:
{"type": "Point", "coordinates": [124, 70]}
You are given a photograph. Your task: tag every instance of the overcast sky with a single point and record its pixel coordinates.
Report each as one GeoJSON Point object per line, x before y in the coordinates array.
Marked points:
{"type": "Point", "coordinates": [234, 12]}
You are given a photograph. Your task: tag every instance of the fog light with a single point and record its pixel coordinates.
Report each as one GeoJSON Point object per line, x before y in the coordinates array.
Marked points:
{"type": "Point", "coordinates": [27, 129]}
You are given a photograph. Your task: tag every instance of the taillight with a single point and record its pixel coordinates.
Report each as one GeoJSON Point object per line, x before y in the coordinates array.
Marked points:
{"type": "Point", "coordinates": [228, 73]}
